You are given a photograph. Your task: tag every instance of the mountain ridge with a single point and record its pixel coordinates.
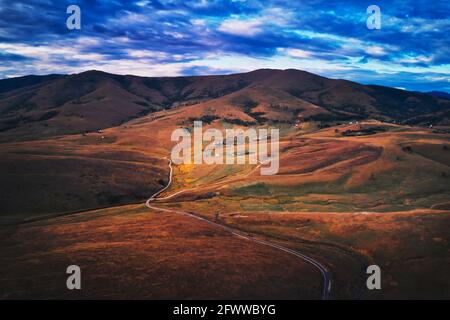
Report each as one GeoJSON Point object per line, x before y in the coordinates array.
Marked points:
{"type": "Point", "coordinates": [41, 106]}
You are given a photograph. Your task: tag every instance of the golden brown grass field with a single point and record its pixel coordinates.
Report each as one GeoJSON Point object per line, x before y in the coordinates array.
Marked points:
{"type": "Point", "coordinates": [134, 253]}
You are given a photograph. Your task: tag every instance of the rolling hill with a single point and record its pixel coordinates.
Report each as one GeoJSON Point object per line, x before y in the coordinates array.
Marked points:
{"type": "Point", "coordinates": [35, 107]}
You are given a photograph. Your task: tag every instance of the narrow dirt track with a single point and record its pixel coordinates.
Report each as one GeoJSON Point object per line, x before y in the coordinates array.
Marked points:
{"type": "Point", "coordinates": [323, 270]}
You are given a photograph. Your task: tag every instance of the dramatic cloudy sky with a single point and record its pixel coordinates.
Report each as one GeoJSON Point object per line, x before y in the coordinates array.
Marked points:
{"type": "Point", "coordinates": [175, 37]}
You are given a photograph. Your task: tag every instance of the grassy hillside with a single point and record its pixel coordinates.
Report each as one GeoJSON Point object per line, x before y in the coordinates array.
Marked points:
{"type": "Point", "coordinates": [38, 107]}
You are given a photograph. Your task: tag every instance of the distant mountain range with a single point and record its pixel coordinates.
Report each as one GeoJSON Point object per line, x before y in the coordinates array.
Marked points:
{"type": "Point", "coordinates": [440, 94]}
{"type": "Point", "coordinates": [41, 106]}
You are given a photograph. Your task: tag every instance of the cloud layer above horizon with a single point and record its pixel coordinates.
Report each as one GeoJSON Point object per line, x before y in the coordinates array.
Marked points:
{"type": "Point", "coordinates": [174, 37]}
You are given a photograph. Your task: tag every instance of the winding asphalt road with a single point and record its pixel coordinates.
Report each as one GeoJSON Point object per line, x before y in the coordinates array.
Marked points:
{"type": "Point", "coordinates": [323, 270]}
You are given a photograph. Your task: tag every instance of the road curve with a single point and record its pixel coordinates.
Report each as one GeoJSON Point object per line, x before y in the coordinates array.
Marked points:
{"type": "Point", "coordinates": [323, 270]}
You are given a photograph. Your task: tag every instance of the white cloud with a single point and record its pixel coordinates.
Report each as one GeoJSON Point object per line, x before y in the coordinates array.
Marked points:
{"type": "Point", "coordinates": [146, 54]}
{"type": "Point", "coordinates": [241, 27]}
{"type": "Point", "coordinates": [245, 26]}
{"type": "Point", "coordinates": [200, 4]}
{"type": "Point", "coordinates": [143, 3]}
{"type": "Point", "coordinates": [51, 52]}
{"type": "Point", "coordinates": [417, 59]}
{"type": "Point", "coordinates": [87, 41]}
{"type": "Point", "coordinates": [198, 22]}
{"type": "Point", "coordinates": [130, 18]}
{"type": "Point", "coordinates": [375, 51]}
{"type": "Point", "coordinates": [295, 53]}
{"type": "Point", "coordinates": [176, 35]}
{"type": "Point", "coordinates": [88, 56]}
{"type": "Point", "coordinates": [349, 46]}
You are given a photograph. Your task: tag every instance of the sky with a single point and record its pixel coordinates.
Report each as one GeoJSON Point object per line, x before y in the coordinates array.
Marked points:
{"type": "Point", "coordinates": [173, 38]}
